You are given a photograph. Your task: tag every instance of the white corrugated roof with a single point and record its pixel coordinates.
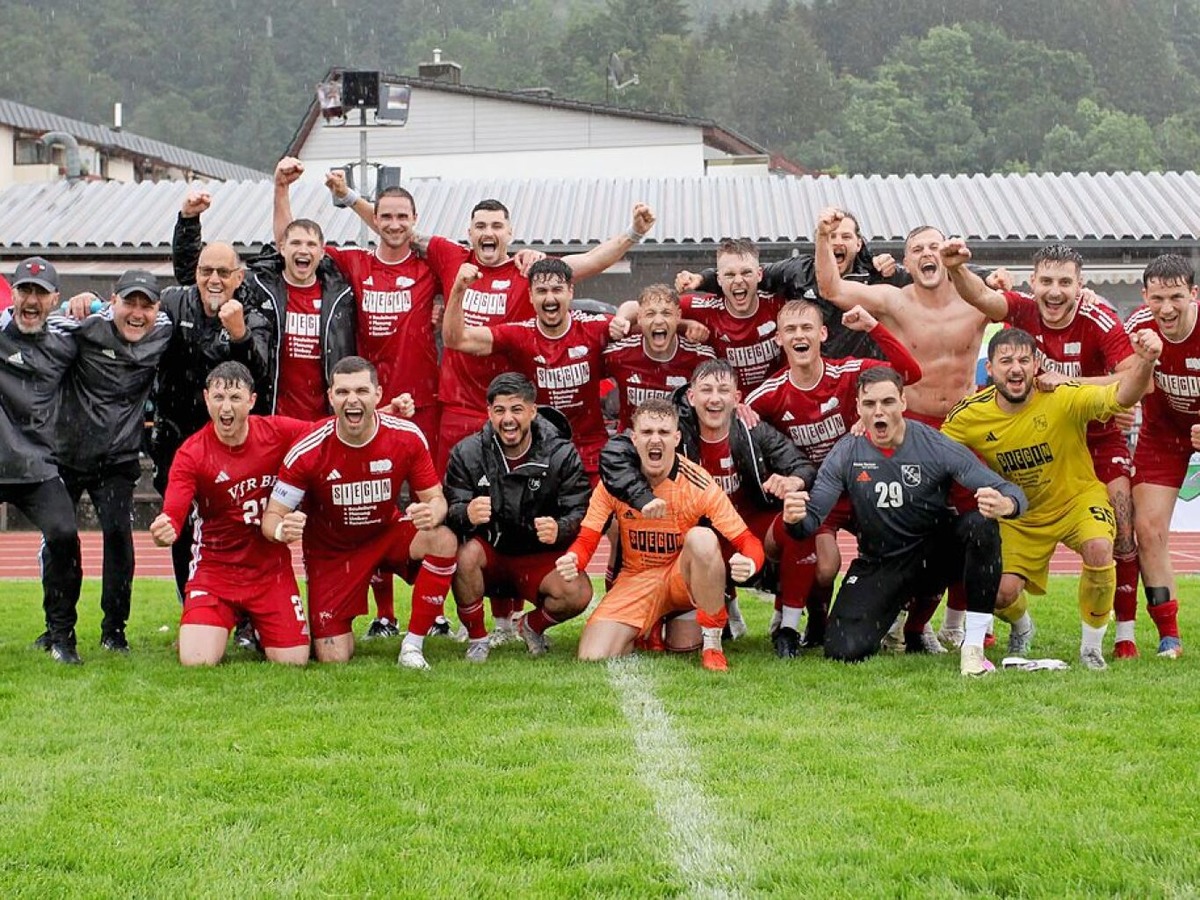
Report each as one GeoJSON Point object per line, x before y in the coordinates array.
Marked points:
{"type": "Point", "coordinates": [1036, 208]}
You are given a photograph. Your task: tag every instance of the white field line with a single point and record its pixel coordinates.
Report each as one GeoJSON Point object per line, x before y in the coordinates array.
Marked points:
{"type": "Point", "coordinates": [666, 766]}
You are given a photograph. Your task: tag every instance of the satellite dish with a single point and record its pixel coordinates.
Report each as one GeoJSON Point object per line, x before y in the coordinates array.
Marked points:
{"type": "Point", "coordinates": [616, 73]}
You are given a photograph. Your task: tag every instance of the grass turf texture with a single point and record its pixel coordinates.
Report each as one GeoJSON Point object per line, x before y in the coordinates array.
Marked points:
{"type": "Point", "coordinates": [130, 776]}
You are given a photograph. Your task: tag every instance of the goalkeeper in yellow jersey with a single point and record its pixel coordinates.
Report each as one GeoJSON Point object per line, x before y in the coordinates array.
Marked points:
{"type": "Point", "coordinates": [1038, 440]}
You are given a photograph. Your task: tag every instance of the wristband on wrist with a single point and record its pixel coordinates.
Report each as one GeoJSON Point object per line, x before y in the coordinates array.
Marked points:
{"type": "Point", "coordinates": [279, 533]}
{"type": "Point", "coordinates": [634, 235]}
{"type": "Point", "coordinates": [351, 198]}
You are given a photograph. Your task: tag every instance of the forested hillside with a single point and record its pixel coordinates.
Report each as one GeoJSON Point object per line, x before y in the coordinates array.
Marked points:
{"type": "Point", "coordinates": [843, 85]}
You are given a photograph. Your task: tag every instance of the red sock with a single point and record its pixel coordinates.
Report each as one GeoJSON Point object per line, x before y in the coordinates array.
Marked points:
{"type": "Point", "coordinates": [472, 618]}
{"type": "Point", "coordinates": [1164, 615]}
{"type": "Point", "coordinates": [797, 569]}
{"type": "Point", "coordinates": [429, 592]}
{"type": "Point", "coordinates": [1125, 599]}
{"type": "Point", "coordinates": [539, 620]}
{"type": "Point", "coordinates": [384, 590]}
{"type": "Point", "coordinates": [956, 597]}
{"type": "Point", "coordinates": [501, 607]}
{"type": "Point", "coordinates": [708, 620]}
{"type": "Point", "coordinates": [920, 611]}
{"type": "Point", "coordinates": [819, 599]}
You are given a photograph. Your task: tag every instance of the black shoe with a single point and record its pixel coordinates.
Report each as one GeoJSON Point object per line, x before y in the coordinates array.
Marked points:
{"type": "Point", "coordinates": [65, 653]}
{"type": "Point", "coordinates": [814, 635]}
{"type": "Point", "coordinates": [439, 628]}
{"type": "Point", "coordinates": [244, 638]}
{"type": "Point", "coordinates": [381, 628]}
{"type": "Point", "coordinates": [787, 643]}
{"type": "Point", "coordinates": [42, 642]}
{"type": "Point", "coordinates": [115, 641]}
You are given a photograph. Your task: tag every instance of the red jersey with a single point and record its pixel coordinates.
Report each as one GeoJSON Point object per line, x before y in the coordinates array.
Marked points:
{"type": "Point", "coordinates": [640, 377]}
{"type": "Point", "coordinates": [350, 492]}
{"type": "Point", "coordinates": [717, 459]}
{"type": "Point", "coordinates": [395, 320]}
{"type": "Point", "coordinates": [500, 295]}
{"type": "Point", "coordinates": [1092, 343]}
{"type": "Point", "coordinates": [1174, 404]}
{"type": "Point", "coordinates": [228, 487]}
{"type": "Point", "coordinates": [301, 390]}
{"type": "Point", "coordinates": [748, 343]}
{"type": "Point", "coordinates": [567, 372]}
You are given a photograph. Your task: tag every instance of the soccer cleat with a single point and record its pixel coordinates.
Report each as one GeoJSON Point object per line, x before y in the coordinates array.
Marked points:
{"type": "Point", "coordinates": [1125, 650]}
{"type": "Point", "coordinates": [115, 642]}
{"type": "Point", "coordinates": [42, 642]}
{"type": "Point", "coordinates": [439, 628]}
{"type": "Point", "coordinates": [477, 650]}
{"type": "Point", "coordinates": [989, 641]}
{"type": "Point", "coordinates": [787, 643]}
{"type": "Point", "coordinates": [411, 657]}
{"type": "Point", "coordinates": [534, 642]}
{"type": "Point", "coordinates": [925, 642]}
{"type": "Point", "coordinates": [776, 620]}
{"type": "Point", "coordinates": [951, 638]}
{"type": "Point", "coordinates": [737, 625]}
{"type": "Point", "coordinates": [973, 662]}
{"type": "Point", "coordinates": [65, 652]}
{"type": "Point", "coordinates": [814, 634]}
{"type": "Point", "coordinates": [1019, 642]}
{"type": "Point", "coordinates": [1092, 658]}
{"type": "Point", "coordinates": [893, 641]}
{"type": "Point", "coordinates": [714, 660]}
{"type": "Point", "coordinates": [1170, 648]}
{"type": "Point", "coordinates": [244, 638]}
{"type": "Point", "coordinates": [381, 628]}
{"type": "Point", "coordinates": [502, 636]}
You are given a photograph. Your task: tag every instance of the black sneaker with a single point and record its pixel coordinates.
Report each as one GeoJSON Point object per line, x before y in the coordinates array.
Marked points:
{"type": "Point", "coordinates": [787, 643]}
{"type": "Point", "coordinates": [42, 642]}
{"type": "Point", "coordinates": [115, 642]}
{"type": "Point", "coordinates": [65, 653]}
{"type": "Point", "coordinates": [439, 628]}
{"type": "Point", "coordinates": [244, 638]}
{"type": "Point", "coordinates": [814, 635]}
{"type": "Point", "coordinates": [381, 628]}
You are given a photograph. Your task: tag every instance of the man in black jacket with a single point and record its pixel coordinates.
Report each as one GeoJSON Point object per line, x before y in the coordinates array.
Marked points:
{"type": "Point", "coordinates": [756, 466]}
{"type": "Point", "coordinates": [101, 424]}
{"type": "Point", "coordinates": [517, 493]}
{"type": "Point", "coordinates": [35, 353]}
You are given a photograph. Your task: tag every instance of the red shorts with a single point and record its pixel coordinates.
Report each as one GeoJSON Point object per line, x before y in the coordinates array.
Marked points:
{"type": "Point", "coordinates": [758, 521]}
{"type": "Point", "coordinates": [337, 585]}
{"type": "Point", "coordinates": [274, 608]}
{"type": "Point", "coordinates": [1110, 455]}
{"type": "Point", "coordinates": [1161, 457]}
{"type": "Point", "coordinates": [427, 418]}
{"type": "Point", "coordinates": [518, 577]}
{"type": "Point", "coordinates": [840, 517]}
{"type": "Point", "coordinates": [454, 424]}
{"type": "Point", "coordinates": [931, 421]}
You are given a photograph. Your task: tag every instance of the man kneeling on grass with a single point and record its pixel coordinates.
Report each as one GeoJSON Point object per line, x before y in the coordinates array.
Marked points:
{"type": "Point", "coordinates": [669, 562]}
{"type": "Point", "coordinates": [227, 469]}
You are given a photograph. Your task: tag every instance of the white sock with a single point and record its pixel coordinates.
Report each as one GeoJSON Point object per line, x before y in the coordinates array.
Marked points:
{"type": "Point", "coordinates": [1093, 638]}
{"type": "Point", "coordinates": [976, 626]}
{"type": "Point", "coordinates": [953, 619]}
{"type": "Point", "coordinates": [414, 640]}
{"type": "Point", "coordinates": [789, 617]}
{"type": "Point", "coordinates": [712, 638]}
{"type": "Point", "coordinates": [1125, 631]}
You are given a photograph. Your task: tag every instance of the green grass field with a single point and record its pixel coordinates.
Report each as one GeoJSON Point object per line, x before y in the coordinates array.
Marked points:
{"type": "Point", "coordinates": [551, 778]}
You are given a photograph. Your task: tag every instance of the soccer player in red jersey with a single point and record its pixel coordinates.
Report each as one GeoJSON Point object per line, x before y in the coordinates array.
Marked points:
{"type": "Point", "coordinates": [1078, 342]}
{"type": "Point", "coordinates": [225, 471]}
{"type": "Point", "coordinates": [1170, 432]}
{"type": "Point", "coordinates": [560, 351]}
{"type": "Point", "coordinates": [814, 402]}
{"type": "Point", "coordinates": [348, 473]}
{"type": "Point", "coordinates": [670, 562]}
{"type": "Point", "coordinates": [656, 361]}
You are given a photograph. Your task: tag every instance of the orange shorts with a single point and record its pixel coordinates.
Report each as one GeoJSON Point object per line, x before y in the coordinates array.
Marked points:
{"type": "Point", "coordinates": [641, 599]}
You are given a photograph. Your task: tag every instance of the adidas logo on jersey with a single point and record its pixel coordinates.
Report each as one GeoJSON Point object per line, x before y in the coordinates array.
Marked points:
{"type": "Point", "coordinates": [635, 378]}
{"type": "Point", "coordinates": [221, 478]}
{"type": "Point", "coordinates": [483, 482]}
{"type": "Point", "coordinates": [787, 417]}
{"type": "Point", "coordinates": [863, 476]}
{"type": "Point", "coordinates": [991, 436]}
{"type": "Point", "coordinates": [628, 514]}
{"type": "Point", "coordinates": [333, 475]}
{"type": "Point", "coordinates": [16, 359]}
{"type": "Point", "coordinates": [111, 354]}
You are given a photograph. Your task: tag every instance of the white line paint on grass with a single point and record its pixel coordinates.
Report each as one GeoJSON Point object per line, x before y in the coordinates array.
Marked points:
{"type": "Point", "coordinates": [666, 766]}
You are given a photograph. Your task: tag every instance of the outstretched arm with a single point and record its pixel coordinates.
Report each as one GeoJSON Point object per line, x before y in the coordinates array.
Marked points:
{"type": "Point", "coordinates": [955, 256]}
{"type": "Point", "coordinates": [187, 242]}
{"type": "Point", "coordinates": [879, 300]}
{"type": "Point", "coordinates": [335, 180]}
{"type": "Point", "coordinates": [287, 170]}
{"type": "Point", "coordinates": [600, 257]}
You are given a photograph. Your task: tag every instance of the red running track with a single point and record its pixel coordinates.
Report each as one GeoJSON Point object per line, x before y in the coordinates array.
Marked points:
{"type": "Point", "coordinates": [19, 549]}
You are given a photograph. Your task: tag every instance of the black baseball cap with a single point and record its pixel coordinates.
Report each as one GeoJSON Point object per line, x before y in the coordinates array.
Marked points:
{"type": "Point", "coordinates": [137, 281]}
{"type": "Point", "coordinates": [36, 270]}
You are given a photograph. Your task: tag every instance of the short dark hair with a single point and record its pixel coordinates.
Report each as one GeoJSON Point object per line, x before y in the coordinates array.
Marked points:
{"type": "Point", "coordinates": [550, 267]}
{"type": "Point", "coordinates": [847, 214]}
{"type": "Point", "coordinates": [737, 247]}
{"type": "Point", "coordinates": [915, 231]}
{"type": "Point", "coordinates": [228, 374]}
{"type": "Point", "coordinates": [352, 365]}
{"type": "Point", "coordinates": [511, 384]}
{"type": "Point", "coordinates": [490, 206]}
{"type": "Point", "coordinates": [879, 375]}
{"type": "Point", "coordinates": [658, 291]}
{"type": "Point", "coordinates": [1057, 253]}
{"type": "Point", "coordinates": [307, 225]}
{"type": "Point", "coordinates": [656, 406]}
{"type": "Point", "coordinates": [1011, 337]}
{"type": "Point", "coordinates": [1169, 269]}
{"type": "Point", "coordinates": [718, 367]}
{"type": "Point", "coordinates": [396, 191]}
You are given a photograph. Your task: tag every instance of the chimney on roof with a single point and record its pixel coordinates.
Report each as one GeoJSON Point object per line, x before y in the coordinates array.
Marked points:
{"type": "Point", "coordinates": [449, 72]}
